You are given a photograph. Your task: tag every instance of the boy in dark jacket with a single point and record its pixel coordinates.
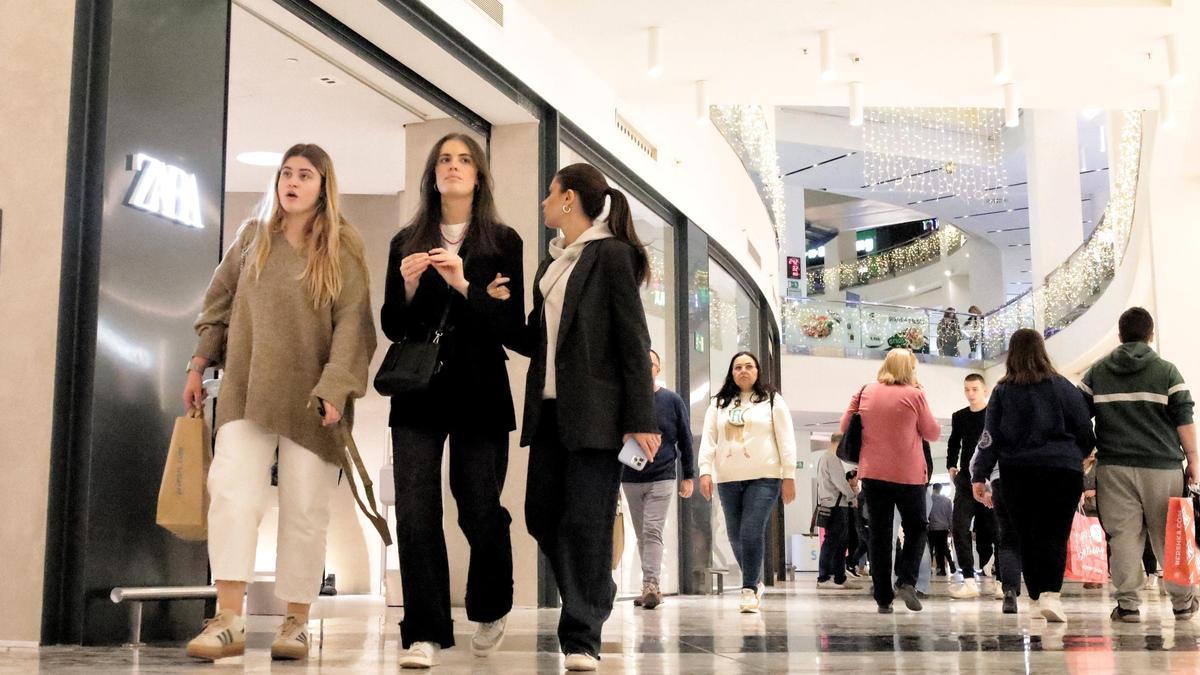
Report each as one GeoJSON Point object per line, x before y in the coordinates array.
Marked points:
{"type": "Point", "coordinates": [1144, 431]}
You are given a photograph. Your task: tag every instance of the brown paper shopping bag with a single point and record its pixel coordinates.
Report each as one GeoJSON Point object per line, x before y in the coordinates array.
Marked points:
{"type": "Point", "coordinates": [183, 494]}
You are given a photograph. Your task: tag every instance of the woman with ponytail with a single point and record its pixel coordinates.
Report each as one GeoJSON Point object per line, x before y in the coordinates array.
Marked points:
{"type": "Point", "coordinates": [288, 317]}
{"type": "Point", "coordinates": [589, 390]}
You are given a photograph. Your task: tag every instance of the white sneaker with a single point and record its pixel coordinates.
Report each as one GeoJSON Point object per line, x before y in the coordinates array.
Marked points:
{"type": "Point", "coordinates": [749, 603]}
{"type": "Point", "coordinates": [760, 590]}
{"type": "Point", "coordinates": [421, 655]}
{"type": "Point", "coordinates": [999, 594]}
{"type": "Point", "coordinates": [224, 635]}
{"type": "Point", "coordinates": [1050, 605]}
{"type": "Point", "coordinates": [291, 643]}
{"type": "Point", "coordinates": [965, 591]}
{"type": "Point", "coordinates": [582, 662]}
{"type": "Point", "coordinates": [488, 637]}
{"type": "Point", "coordinates": [830, 585]}
{"type": "Point", "coordinates": [1151, 583]}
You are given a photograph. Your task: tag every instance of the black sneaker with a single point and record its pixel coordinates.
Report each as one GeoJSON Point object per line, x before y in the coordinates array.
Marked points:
{"type": "Point", "coordinates": [1010, 602]}
{"type": "Point", "coordinates": [851, 572]}
{"type": "Point", "coordinates": [329, 586]}
{"type": "Point", "coordinates": [1188, 613]}
{"type": "Point", "coordinates": [1128, 615]}
{"type": "Point", "coordinates": [908, 594]}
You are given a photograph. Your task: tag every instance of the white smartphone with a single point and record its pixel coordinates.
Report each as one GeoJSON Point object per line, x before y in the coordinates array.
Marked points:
{"type": "Point", "coordinates": [633, 456]}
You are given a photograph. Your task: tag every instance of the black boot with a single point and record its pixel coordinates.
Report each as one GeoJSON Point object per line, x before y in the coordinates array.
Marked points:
{"type": "Point", "coordinates": [330, 585]}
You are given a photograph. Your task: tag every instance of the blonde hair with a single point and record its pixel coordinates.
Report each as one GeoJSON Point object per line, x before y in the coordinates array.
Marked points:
{"type": "Point", "coordinates": [898, 368]}
{"type": "Point", "coordinates": [325, 234]}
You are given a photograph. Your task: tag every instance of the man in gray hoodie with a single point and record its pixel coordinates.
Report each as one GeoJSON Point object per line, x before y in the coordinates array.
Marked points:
{"type": "Point", "coordinates": [1144, 431]}
{"type": "Point", "coordinates": [833, 491]}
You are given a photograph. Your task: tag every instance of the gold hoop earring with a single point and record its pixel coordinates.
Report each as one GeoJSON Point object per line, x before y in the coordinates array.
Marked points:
{"type": "Point", "coordinates": [566, 209]}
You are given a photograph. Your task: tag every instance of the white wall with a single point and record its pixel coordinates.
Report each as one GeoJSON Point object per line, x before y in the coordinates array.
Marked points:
{"type": "Point", "coordinates": [35, 56]}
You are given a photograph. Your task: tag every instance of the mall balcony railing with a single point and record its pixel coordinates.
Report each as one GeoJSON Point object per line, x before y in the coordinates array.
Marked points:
{"type": "Point", "coordinates": [888, 263]}
{"type": "Point", "coordinates": [867, 330]}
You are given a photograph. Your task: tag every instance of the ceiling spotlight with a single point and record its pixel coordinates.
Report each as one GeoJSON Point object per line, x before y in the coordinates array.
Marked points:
{"type": "Point", "coordinates": [1174, 66]}
{"type": "Point", "coordinates": [912, 289]}
{"type": "Point", "coordinates": [654, 66]}
{"type": "Point", "coordinates": [856, 104]}
{"type": "Point", "coordinates": [260, 158]}
{"type": "Point", "coordinates": [947, 272]}
{"type": "Point", "coordinates": [1012, 114]}
{"type": "Point", "coordinates": [292, 59]}
{"type": "Point", "coordinates": [1000, 72]}
{"type": "Point", "coordinates": [701, 101]}
{"type": "Point", "coordinates": [828, 72]}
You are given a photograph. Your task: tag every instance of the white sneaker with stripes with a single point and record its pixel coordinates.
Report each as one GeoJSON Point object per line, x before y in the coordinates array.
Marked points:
{"type": "Point", "coordinates": [223, 636]}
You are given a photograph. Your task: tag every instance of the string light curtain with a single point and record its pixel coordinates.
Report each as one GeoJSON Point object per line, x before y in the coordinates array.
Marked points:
{"type": "Point", "coordinates": [747, 131]}
{"type": "Point", "coordinates": [936, 151]}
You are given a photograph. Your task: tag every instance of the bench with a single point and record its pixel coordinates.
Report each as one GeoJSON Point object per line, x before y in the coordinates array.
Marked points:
{"type": "Point", "coordinates": [718, 575]}
{"type": "Point", "coordinates": [135, 596]}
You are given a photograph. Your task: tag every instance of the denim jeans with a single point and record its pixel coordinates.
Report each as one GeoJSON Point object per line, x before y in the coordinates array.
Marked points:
{"type": "Point", "coordinates": [747, 506]}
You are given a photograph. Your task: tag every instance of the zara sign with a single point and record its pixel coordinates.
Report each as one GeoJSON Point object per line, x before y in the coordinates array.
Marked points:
{"type": "Point", "coordinates": [165, 190]}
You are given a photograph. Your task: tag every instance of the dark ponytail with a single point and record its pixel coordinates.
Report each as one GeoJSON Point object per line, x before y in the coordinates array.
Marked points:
{"type": "Point", "coordinates": [591, 186]}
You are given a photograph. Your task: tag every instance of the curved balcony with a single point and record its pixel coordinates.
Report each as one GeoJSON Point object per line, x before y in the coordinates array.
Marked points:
{"type": "Point", "coordinates": [889, 263]}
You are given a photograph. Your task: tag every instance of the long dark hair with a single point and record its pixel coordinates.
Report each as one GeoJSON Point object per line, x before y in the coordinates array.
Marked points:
{"type": "Point", "coordinates": [1027, 361]}
{"type": "Point", "coordinates": [425, 227]}
{"type": "Point", "coordinates": [730, 391]}
{"type": "Point", "coordinates": [587, 182]}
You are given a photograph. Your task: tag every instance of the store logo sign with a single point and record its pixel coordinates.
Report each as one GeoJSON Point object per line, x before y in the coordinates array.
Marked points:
{"type": "Point", "coordinates": [165, 190]}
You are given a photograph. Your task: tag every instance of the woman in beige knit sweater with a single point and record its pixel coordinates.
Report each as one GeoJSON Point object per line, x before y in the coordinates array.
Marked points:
{"type": "Point", "coordinates": [288, 317]}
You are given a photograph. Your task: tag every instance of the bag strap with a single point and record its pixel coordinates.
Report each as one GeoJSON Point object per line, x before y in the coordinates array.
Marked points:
{"type": "Point", "coordinates": [860, 393]}
{"type": "Point", "coordinates": [351, 462]}
{"type": "Point", "coordinates": [441, 325]}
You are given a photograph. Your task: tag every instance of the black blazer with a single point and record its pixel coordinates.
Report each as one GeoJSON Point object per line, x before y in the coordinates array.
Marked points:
{"type": "Point", "coordinates": [471, 392]}
{"type": "Point", "coordinates": [602, 361]}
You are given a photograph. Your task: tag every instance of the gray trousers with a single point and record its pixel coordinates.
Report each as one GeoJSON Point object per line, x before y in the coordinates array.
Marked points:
{"type": "Point", "coordinates": [648, 504]}
{"type": "Point", "coordinates": [1133, 506]}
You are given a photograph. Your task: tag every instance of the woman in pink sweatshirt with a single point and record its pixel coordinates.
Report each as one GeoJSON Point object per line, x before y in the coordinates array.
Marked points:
{"type": "Point", "coordinates": [895, 418]}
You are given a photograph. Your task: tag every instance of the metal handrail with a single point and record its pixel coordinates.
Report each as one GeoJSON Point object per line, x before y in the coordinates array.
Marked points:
{"type": "Point", "coordinates": [136, 595]}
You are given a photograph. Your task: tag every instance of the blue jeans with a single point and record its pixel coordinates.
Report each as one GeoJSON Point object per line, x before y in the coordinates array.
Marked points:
{"type": "Point", "coordinates": [747, 505]}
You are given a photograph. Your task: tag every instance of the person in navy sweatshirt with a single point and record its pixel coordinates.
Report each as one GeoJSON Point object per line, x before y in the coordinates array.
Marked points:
{"type": "Point", "coordinates": [649, 492]}
{"type": "Point", "coordinates": [1039, 430]}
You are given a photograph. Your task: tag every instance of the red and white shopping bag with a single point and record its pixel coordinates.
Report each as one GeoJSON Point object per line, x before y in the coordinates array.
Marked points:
{"type": "Point", "coordinates": [1087, 551]}
{"type": "Point", "coordinates": [1181, 565]}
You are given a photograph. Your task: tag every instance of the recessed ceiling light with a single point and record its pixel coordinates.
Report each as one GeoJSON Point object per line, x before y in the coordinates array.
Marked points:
{"type": "Point", "coordinates": [292, 59]}
{"type": "Point", "coordinates": [911, 288]}
{"type": "Point", "coordinates": [947, 272]}
{"type": "Point", "coordinates": [260, 158]}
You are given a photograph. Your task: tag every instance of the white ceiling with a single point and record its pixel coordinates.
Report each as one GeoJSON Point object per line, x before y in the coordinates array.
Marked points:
{"type": "Point", "coordinates": [1062, 53]}
{"type": "Point", "coordinates": [275, 103]}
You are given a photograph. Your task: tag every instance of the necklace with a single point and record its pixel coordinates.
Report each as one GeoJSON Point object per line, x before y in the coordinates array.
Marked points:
{"type": "Point", "coordinates": [454, 242]}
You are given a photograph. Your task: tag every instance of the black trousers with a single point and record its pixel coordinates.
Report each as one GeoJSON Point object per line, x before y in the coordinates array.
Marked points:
{"type": "Point", "coordinates": [939, 548]}
{"type": "Point", "coordinates": [570, 505]}
{"type": "Point", "coordinates": [832, 560]}
{"type": "Point", "coordinates": [1009, 555]}
{"type": "Point", "coordinates": [966, 510]}
{"type": "Point", "coordinates": [864, 537]}
{"type": "Point", "coordinates": [1042, 501]}
{"type": "Point", "coordinates": [883, 499]}
{"type": "Point", "coordinates": [478, 466]}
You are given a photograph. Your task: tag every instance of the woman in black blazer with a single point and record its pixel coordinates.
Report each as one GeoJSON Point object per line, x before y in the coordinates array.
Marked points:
{"type": "Point", "coordinates": [588, 390]}
{"type": "Point", "coordinates": [452, 248]}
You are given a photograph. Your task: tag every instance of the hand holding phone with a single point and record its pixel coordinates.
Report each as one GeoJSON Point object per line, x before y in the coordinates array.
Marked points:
{"type": "Point", "coordinates": [633, 456]}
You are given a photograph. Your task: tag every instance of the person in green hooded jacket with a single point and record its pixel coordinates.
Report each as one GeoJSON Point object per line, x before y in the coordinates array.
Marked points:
{"type": "Point", "coordinates": [1144, 431]}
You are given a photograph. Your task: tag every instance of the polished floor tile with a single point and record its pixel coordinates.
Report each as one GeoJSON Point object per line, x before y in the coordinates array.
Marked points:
{"type": "Point", "coordinates": [798, 631]}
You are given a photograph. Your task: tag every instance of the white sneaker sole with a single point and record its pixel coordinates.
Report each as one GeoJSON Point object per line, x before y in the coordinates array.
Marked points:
{"type": "Point", "coordinates": [415, 662]}
{"type": "Point", "coordinates": [1053, 615]}
{"type": "Point", "coordinates": [216, 652]}
{"type": "Point", "coordinates": [484, 653]}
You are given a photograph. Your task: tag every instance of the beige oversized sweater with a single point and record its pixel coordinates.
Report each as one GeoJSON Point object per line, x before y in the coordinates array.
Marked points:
{"type": "Point", "coordinates": [278, 351]}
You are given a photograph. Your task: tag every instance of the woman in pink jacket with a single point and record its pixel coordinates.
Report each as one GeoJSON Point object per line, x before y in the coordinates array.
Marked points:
{"type": "Point", "coordinates": [895, 419]}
